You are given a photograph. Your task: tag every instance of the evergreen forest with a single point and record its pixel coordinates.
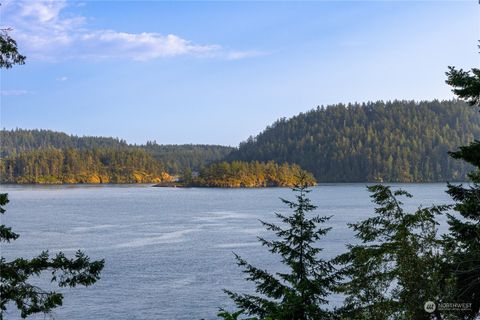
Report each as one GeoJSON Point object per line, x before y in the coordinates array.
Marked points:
{"type": "Point", "coordinates": [175, 158]}
{"type": "Point", "coordinates": [249, 175]}
{"type": "Point", "coordinates": [98, 165]}
{"type": "Point", "coordinates": [396, 141]}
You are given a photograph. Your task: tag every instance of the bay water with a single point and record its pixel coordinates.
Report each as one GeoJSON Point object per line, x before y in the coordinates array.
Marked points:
{"type": "Point", "coordinates": [169, 251]}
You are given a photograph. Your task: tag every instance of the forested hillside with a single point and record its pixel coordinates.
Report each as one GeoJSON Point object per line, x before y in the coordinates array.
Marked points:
{"type": "Point", "coordinates": [181, 158]}
{"type": "Point", "coordinates": [402, 141]}
{"type": "Point", "coordinates": [175, 158]}
{"type": "Point", "coordinates": [399, 141]}
{"type": "Point", "coordinates": [16, 141]}
{"type": "Point", "coordinates": [104, 165]}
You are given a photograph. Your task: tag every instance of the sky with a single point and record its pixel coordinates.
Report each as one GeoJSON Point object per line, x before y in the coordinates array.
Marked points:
{"type": "Point", "coordinates": [217, 72]}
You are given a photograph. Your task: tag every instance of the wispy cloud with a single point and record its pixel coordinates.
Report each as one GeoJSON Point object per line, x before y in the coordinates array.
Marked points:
{"type": "Point", "coordinates": [237, 55]}
{"type": "Point", "coordinates": [143, 46]}
{"type": "Point", "coordinates": [48, 31]}
{"type": "Point", "coordinates": [42, 11]}
{"type": "Point", "coordinates": [62, 78]}
{"type": "Point", "coordinates": [13, 92]}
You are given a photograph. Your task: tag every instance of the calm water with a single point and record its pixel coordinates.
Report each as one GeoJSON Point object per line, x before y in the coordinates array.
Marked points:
{"type": "Point", "coordinates": [168, 252]}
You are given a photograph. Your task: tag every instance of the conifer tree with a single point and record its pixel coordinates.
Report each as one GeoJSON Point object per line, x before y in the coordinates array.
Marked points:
{"type": "Point", "coordinates": [15, 288]}
{"type": "Point", "coordinates": [299, 293]}
{"type": "Point", "coordinates": [398, 264]}
{"type": "Point", "coordinates": [463, 241]}
{"type": "Point", "coordinates": [466, 84]}
{"type": "Point", "coordinates": [9, 54]}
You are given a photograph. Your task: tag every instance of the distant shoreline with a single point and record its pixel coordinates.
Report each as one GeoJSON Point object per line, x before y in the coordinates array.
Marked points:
{"type": "Point", "coordinates": [186, 186]}
{"type": "Point", "coordinates": [180, 185]}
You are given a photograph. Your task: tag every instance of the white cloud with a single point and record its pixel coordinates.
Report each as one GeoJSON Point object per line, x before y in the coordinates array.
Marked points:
{"type": "Point", "coordinates": [13, 92]}
{"type": "Point", "coordinates": [40, 29]}
{"type": "Point", "coordinates": [47, 30]}
{"type": "Point", "coordinates": [143, 46]}
{"type": "Point", "coordinates": [236, 55]}
{"type": "Point", "coordinates": [42, 11]}
{"type": "Point", "coordinates": [62, 78]}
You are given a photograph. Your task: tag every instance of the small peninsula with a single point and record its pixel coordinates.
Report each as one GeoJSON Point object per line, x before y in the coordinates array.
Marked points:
{"type": "Point", "coordinates": [241, 174]}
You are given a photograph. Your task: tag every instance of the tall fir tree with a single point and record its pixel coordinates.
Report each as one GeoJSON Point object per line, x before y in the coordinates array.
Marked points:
{"type": "Point", "coordinates": [299, 293]}
{"type": "Point", "coordinates": [397, 265]}
{"type": "Point", "coordinates": [463, 241]}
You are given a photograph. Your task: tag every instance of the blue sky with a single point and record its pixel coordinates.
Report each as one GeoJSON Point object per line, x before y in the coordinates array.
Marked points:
{"type": "Point", "coordinates": [218, 72]}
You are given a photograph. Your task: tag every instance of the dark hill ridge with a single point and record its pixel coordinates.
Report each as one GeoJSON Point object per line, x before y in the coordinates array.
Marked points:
{"type": "Point", "coordinates": [397, 141]}
{"type": "Point", "coordinates": [19, 140]}
{"type": "Point", "coordinates": [174, 158]}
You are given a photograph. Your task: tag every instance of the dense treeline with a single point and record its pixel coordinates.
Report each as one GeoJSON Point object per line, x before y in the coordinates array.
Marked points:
{"type": "Point", "coordinates": [402, 141]}
{"type": "Point", "coordinates": [175, 158]}
{"type": "Point", "coordinates": [19, 140]}
{"type": "Point", "coordinates": [249, 175]}
{"type": "Point", "coordinates": [180, 158]}
{"type": "Point", "coordinates": [98, 165]}
{"type": "Point", "coordinates": [399, 141]}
